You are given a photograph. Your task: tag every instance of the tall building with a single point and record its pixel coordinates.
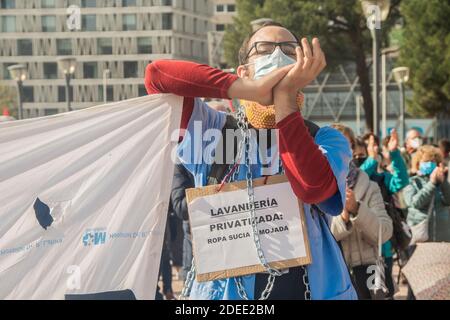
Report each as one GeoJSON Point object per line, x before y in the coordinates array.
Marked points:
{"type": "Point", "coordinates": [121, 36]}
{"type": "Point", "coordinates": [223, 13]}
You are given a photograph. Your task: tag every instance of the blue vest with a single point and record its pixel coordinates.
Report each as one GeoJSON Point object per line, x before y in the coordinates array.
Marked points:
{"type": "Point", "coordinates": [328, 273]}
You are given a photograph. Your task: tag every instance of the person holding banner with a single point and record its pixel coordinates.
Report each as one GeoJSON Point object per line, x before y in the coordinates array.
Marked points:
{"type": "Point", "coordinates": [275, 67]}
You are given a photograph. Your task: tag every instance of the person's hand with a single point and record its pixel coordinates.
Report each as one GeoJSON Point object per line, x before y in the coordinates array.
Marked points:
{"type": "Point", "coordinates": [310, 62]}
{"type": "Point", "coordinates": [351, 205]}
{"type": "Point", "coordinates": [438, 174]}
{"type": "Point", "coordinates": [260, 90]}
{"type": "Point", "coordinates": [372, 148]}
{"type": "Point", "coordinates": [345, 215]}
{"type": "Point", "coordinates": [393, 141]}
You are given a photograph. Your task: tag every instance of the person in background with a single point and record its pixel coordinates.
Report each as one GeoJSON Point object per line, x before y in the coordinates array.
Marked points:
{"type": "Point", "coordinates": [390, 182]}
{"type": "Point", "coordinates": [358, 225]}
{"type": "Point", "coordinates": [165, 269]}
{"type": "Point", "coordinates": [182, 180]}
{"type": "Point", "coordinates": [413, 141]}
{"type": "Point", "coordinates": [444, 146]}
{"type": "Point", "coordinates": [431, 180]}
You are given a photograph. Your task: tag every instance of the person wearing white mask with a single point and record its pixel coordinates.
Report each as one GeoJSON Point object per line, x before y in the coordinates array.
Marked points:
{"type": "Point", "coordinates": [413, 141]}
{"type": "Point", "coordinates": [274, 67]}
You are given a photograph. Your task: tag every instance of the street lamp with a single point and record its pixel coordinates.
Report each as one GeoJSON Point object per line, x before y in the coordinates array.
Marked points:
{"type": "Point", "coordinates": [18, 73]}
{"type": "Point", "coordinates": [401, 75]}
{"type": "Point", "coordinates": [67, 66]}
{"type": "Point", "coordinates": [376, 11]}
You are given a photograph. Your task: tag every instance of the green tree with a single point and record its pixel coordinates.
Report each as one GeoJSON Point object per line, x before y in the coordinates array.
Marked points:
{"type": "Point", "coordinates": [340, 26]}
{"type": "Point", "coordinates": [425, 50]}
{"type": "Point", "coordinates": [8, 98]}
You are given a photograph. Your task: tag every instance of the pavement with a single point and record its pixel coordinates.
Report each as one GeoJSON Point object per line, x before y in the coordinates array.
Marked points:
{"type": "Point", "coordinates": [401, 294]}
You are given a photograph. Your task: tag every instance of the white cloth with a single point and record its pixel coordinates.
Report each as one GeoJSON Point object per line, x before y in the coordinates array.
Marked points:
{"type": "Point", "coordinates": [104, 175]}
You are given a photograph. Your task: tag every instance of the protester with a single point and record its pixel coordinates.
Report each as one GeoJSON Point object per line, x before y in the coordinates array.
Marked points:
{"type": "Point", "coordinates": [274, 68]}
{"type": "Point", "coordinates": [413, 141]}
{"type": "Point", "coordinates": [165, 269]}
{"type": "Point", "coordinates": [390, 182]}
{"type": "Point", "coordinates": [182, 180]}
{"type": "Point", "coordinates": [357, 227]}
{"type": "Point", "coordinates": [429, 189]}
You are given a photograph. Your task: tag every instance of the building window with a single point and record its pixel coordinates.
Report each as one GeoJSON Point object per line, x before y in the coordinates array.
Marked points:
{"type": "Point", "coordinates": [61, 93]}
{"type": "Point", "coordinates": [64, 47]}
{"type": "Point", "coordinates": [192, 48]}
{"type": "Point", "coordinates": [220, 27]}
{"type": "Point", "coordinates": [144, 45]}
{"type": "Point", "coordinates": [89, 3]}
{"type": "Point", "coordinates": [167, 21]}
{"type": "Point", "coordinates": [90, 70]}
{"type": "Point", "coordinates": [128, 22]}
{"type": "Point", "coordinates": [231, 8]}
{"type": "Point", "coordinates": [141, 90]}
{"type": "Point", "coordinates": [166, 2]}
{"type": "Point", "coordinates": [104, 45]}
{"type": "Point", "coordinates": [220, 8]}
{"type": "Point", "coordinates": [48, 4]}
{"type": "Point", "coordinates": [183, 23]}
{"type": "Point", "coordinates": [128, 3]}
{"type": "Point", "coordinates": [195, 26]}
{"type": "Point", "coordinates": [6, 74]}
{"type": "Point", "coordinates": [24, 47]}
{"type": "Point", "coordinates": [8, 4]}
{"type": "Point", "coordinates": [8, 23]}
{"type": "Point", "coordinates": [48, 23]}
{"type": "Point", "coordinates": [109, 93]}
{"type": "Point", "coordinates": [130, 69]}
{"type": "Point", "coordinates": [89, 22]}
{"type": "Point", "coordinates": [50, 111]}
{"type": "Point", "coordinates": [28, 94]}
{"type": "Point", "coordinates": [50, 70]}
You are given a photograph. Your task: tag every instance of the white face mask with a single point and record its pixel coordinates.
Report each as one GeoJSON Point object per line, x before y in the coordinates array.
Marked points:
{"type": "Point", "coordinates": [270, 62]}
{"type": "Point", "coordinates": [416, 143]}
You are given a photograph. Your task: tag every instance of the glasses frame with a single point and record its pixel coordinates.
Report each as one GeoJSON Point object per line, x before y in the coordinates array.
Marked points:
{"type": "Point", "coordinates": [276, 44]}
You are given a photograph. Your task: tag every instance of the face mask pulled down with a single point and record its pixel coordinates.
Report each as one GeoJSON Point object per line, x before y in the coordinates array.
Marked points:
{"type": "Point", "coordinates": [259, 116]}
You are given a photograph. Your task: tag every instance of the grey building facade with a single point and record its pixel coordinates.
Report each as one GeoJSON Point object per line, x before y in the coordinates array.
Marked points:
{"type": "Point", "coordinates": [113, 41]}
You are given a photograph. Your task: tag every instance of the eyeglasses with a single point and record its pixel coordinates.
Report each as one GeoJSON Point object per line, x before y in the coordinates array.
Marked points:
{"type": "Point", "coordinates": [268, 47]}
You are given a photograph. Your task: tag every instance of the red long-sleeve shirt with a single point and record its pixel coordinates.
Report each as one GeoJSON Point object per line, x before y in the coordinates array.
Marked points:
{"type": "Point", "coordinates": [306, 167]}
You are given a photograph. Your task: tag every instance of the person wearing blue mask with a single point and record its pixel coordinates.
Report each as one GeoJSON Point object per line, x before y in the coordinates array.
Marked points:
{"type": "Point", "coordinates": [274, 67]}
{"type": "Point", "coordinates": [428, 195]}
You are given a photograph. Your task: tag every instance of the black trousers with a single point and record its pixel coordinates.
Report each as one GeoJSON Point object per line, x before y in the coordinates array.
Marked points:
{"type": "Point", "coordinates": [360, 277]}
{"type": "Point", "coordinates": [288, 286]}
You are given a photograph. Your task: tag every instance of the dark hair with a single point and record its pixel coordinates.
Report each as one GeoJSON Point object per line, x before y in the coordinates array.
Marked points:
{"type": "Point", "coordinates": [359, 142]}
{"type": "Point", "coordinates": [367, 136]}
{"type": "Point", "coordinates": [445, 145]}
{"type": "Point", "coordinates": [242, 55]}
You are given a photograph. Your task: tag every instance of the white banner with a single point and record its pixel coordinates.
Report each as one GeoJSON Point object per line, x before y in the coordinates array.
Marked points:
{"type": "Point", "coordinates": [84, 198]}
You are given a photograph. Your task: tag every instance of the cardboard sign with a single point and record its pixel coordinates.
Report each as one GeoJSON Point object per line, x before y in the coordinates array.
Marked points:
{"type": "Point", "coordinates": [222, 234]}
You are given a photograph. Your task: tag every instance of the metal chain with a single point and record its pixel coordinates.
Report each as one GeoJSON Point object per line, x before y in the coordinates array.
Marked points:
{"type": "Point", "coordinates": [245, 146]}
{"type": "Point", "coordinates": [186, 292]}
{"type": "Point", "coordinates": [306, 283]}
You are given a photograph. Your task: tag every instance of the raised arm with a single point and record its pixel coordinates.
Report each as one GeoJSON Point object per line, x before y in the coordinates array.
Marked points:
{"type": "Point", "coordinates": [190, 80]}
{"type": "Point", "coordinates": [306, 167]}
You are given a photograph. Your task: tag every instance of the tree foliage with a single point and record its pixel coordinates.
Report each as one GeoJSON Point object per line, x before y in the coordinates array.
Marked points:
{"type": "Point", "coordinates": [425, 49]}
{"type": "Point", "coordinates": [340, 26]}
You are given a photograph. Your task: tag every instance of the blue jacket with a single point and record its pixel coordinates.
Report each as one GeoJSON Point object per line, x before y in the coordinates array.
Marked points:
{"type": "Point", "coordinates": [328, 273]}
